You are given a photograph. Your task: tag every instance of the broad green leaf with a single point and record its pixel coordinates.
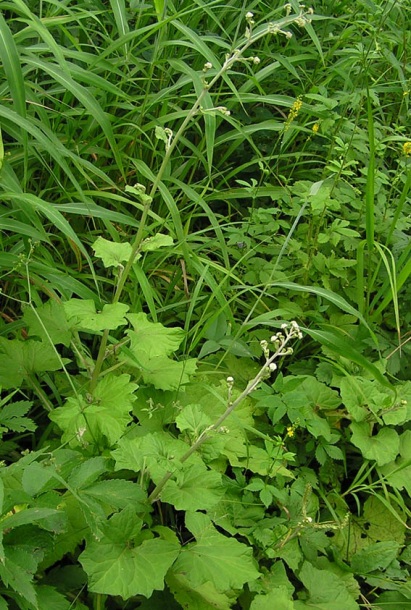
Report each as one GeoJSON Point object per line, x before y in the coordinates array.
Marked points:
{"type": "Point", "coordinates": [117, 565]}
{"type": "Point", "coordinates": [28, 357]}
{"type": "Point", "coordinates": [118, 494]}
{"type": "Point", "coordinates": [88, 471]}
{"type": "Point", "coordinates": [193, 419]}
{"type": "Point", "coordinates": [194, 488]}
{"type": "Point", "coordinates": [105, 414]}
{"type": "Point", "coordinates": [49, 323]}
{"type": "Point", "coordinates": [378, 523]}
{"type": "Point", "coordinates": [398, 473]}
{"type": "Point", "coordinates": [362, 396]}
{"type": "Point", "coordinates": [393, 600]}
{"type": "Point", "coordinates": [158, 452]}
{"type": "Point", "coordinates": [82, 314]}
{"type": "Point", "coordinates": [278, 598]}
{"type": "Point", "coordinates": [202, 597]}
{"type": "Point", "coordinates": [112, 254]}
{"type": "Point", "coordinates": [327, 591]}
{"type": "Point", "coordinates": [382, 447]}
{"type": "Point", "coordinates": [166, 374]}
{"type": "Point", "coordinates": [225, 562]}
{"type": "Point", "coordinates": [149, 339]}
{"type": "Point", "coordinates": [156, 242]}
{"type": "Point", "coordinates": [48, 598]}
{"type": "Point", "coordinates": [3, 603]}
{"type": "Point", "coordinates": [49, 519]}
{"type": "Point", "coordinates": [151, 344]}
{"type": "Point", "coordinates": [377, 556]}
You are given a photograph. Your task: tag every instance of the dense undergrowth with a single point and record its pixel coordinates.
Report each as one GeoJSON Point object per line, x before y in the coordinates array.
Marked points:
{"type": "Point", "coordinates": [204, 344]}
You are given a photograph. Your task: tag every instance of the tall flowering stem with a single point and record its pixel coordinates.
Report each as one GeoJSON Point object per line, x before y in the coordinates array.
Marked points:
{"type": "Point", "coordinates": [280, 345]}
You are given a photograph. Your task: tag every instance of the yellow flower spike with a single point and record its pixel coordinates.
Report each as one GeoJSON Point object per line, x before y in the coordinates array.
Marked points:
{"type": "Point", "coordinates": [316, 127]}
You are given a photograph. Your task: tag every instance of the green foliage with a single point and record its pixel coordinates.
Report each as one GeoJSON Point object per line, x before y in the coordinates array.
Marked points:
{"type": "Point", "coordinates": [180, 181]}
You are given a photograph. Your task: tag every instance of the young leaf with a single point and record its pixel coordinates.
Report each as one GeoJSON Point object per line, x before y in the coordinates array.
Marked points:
{"type": "Point", "coordinates": [225, 562]}
{"type": "Point", "coordinates": [156, 242]}
{"type": "Point", "coordinates": [111, 253]}
{"type": "Point", "coordinates": [117, 565]}
{"type": "Point", "coordinates": [82, 314]}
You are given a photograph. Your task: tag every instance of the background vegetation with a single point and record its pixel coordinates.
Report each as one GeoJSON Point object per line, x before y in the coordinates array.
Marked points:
{"type": "Point", "coordinates": [204, 331]}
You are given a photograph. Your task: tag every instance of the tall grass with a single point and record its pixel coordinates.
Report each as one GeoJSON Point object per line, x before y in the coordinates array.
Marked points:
{"type": "Point", "coordinates": [86, 86]}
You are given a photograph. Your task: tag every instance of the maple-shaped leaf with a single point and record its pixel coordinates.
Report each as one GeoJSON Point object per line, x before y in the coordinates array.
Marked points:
{"type": "Point", "coordinates": [117, 564]}
{"type": "Point", "coordinates": [156, 242]}
{"type": "Point", "coordinates": [20, 359]}
{"type": "Point", "coordinates": [83, 315]}
{"type": "Point", "coordinates": [105, 414]}
{"type": "Point", "coordinates": [151, 339]}
{"type": "Point", "coordinates": [327, 591]}
{"type": "Point", "coordinates": [166, 374]}
{"type": "Point", "coordinates": [111, 253]}
{"type": "Point", "coordinates": [215, 558]}
{"type": "Point", "coordinates": [158, 453]}
{"type": "Point", "coordinates": [49, 323]}
{"type": "Point", "coordinates": [203, 597]}
{"type": "Point", "coordinates": [194, 488]}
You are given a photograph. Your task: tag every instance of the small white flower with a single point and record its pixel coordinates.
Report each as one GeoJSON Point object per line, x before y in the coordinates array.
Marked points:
{"type": "Point", "coordinates": [230, 379]}
{"type": "Point", "coordinates": [207, 66]}
{"type": "Point", "coordinates": [249, 15]}
{"type": "Point", "coordinates": [256, 60]}
{"type": "Point", "coordinates": [272, 366]}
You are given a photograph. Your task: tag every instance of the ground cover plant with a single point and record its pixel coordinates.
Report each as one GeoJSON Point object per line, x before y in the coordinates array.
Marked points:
{"type": "Point", "coordinates": [204, 342]}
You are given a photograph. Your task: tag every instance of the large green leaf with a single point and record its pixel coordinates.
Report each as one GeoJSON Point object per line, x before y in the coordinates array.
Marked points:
{"type": "Point", "coordinates": [202, 597]}
{"type": "Point", "coordinates": [149, 340]}
{"type": "Point", "coordinates": [82, 314]}
{"type": "Point", "coordinates": [194, 488]}
{"type": "Point", "coordinates": [49, 322]}
{"type": "Point", "coordinates": [28, 357]}
{"type": "Point", "coordinates": [327, 591]}
{"type": "Point", "coordinates": [118, 564]}
{"type": "Point", "coordinates": [225, 562]}
{"type": "Point", "coordinates": [278, 598]}
{"type": "Point", "coordinates": [158, 453]}
{"type": "Point", "coordinates": [105, 414]}
{"type": "Point", "coordinates": [111, 253]}
{"type": "Point", "coordinates": [382, 447]}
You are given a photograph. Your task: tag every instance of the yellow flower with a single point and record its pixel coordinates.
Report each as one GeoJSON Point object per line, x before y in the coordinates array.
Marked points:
{"type": "Point", "coordinates": [294, 110]}
{"type": "Point", "coordinates": [290, 431]}
{"type": "Point", "coordinates": [406, 147]}
{"type": "Point", "coordinates": [316, 127]}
